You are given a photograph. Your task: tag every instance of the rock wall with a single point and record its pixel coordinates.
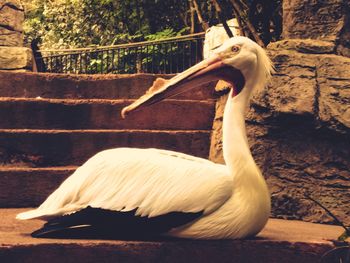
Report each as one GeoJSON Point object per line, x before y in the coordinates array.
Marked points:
{"type": "Point", "coordinates": [11, 23]}
{"type": "Point", "coordinates": [316, 19]}
{"type": "Point", "coordinates": [13, 56]}
{"type": "Point", "coordinates": [299, 131]}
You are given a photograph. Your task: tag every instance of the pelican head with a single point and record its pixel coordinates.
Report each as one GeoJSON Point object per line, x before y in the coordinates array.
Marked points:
{"type": "Point", "coordinates": [239, 61]}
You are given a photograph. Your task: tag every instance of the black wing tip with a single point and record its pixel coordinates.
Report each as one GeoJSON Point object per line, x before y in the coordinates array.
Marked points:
{"type": "Point", "coordinates": [41, 233]}
{"type": "Point", "coordinates": [38, 233]}
{"type": "Point", "coordinates": [82, 231]}
{"type": "Point", "coordinates": [97, 223]}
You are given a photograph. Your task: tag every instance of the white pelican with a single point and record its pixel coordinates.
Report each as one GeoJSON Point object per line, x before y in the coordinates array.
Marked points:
{"type": "Point", "coordinates": [152, 192]}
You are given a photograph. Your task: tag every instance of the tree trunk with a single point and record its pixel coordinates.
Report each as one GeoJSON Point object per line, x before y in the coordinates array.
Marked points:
{"type": "Point", "coordinates": [192, 10]}
{"type": "Point", "coordinates": [204, 24]}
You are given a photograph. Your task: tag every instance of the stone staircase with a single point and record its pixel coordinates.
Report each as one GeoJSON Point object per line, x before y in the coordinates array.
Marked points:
{"type": "Point", "coordinates": [50, 124]}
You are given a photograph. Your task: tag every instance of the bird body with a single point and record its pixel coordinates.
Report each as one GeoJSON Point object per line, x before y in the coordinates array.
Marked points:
{"type": "Point", "coordinates": [147, 179]}
{"type": "Point", "coordinates": [216, 201]}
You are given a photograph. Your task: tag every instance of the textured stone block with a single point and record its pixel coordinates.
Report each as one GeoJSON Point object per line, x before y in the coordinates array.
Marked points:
{"type": "Point", "coordinates": [334, 85]}
{"type": "Point", "coordinates": [309, 46]}
{"type": "Point", "coordinates": [99, 86]}
{"type": "Point", "coordinates": [103, 114]}
{"type": "Point", "coordinates": [16, 4]}
{"type": "Point", "coordinates": [45, 148]}
{"type": "Point", "coordinates": [10, 38]}
{"type": "Point", "coordinates": [11, 18]}
{"type": "Point", "coordinates": [313, 19]}
{"type": "Point", "coordinates": [293, 87]}
{"type": "Point", "coordinates": [15, 58]}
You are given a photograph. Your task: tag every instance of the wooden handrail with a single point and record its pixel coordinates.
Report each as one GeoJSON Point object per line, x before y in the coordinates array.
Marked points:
{"type": "Point", "coordinates": [137, 44]}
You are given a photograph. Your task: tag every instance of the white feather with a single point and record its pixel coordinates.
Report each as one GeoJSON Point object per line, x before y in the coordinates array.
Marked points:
{"type": "Point", "coordinates": [150, 180]}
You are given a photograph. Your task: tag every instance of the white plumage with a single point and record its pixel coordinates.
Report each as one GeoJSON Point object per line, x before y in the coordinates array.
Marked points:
{"type": "Point", "coordinates": [147, 179]}
{"type": "Point", "coordinates": [233, 198]}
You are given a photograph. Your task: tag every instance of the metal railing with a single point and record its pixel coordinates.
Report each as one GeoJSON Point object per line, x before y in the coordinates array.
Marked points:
{"type": "Point", "coordinates": [170, 55]}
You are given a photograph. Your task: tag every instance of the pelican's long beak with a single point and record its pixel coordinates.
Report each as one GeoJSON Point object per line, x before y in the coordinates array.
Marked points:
{"type": "Point", "coordinates": [208, 70]}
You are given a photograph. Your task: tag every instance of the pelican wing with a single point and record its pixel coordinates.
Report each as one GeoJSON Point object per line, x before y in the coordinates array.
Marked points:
{"type": "Point", "coordinates": [152, 182]}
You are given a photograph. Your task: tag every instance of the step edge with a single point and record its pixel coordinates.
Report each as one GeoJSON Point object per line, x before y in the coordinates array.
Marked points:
{"type": "Point", "coordinates": [95, 101]}
{"type": "Point", "coordinates": [93, 131]}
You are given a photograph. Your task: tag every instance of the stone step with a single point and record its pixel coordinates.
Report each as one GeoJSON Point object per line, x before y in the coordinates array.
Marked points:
{"type": "Point", "coordinates": [28, 187]}
{"type": "Point", "coordinates": [280, 241]}
{"type": "Point", "coordinates": [64, 86]}
{"type": "Point", "coordinates": [70, 114]}
{"type": "Point", "coordinates": [45, 148]}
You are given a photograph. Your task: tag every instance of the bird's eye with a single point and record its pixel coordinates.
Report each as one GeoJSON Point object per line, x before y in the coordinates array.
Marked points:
{"type": "Point", "coordinates": [235, 49]}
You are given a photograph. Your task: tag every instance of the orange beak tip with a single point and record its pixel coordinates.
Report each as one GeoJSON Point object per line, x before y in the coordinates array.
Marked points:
{"type": "Point", "coordinates": [124, 113]}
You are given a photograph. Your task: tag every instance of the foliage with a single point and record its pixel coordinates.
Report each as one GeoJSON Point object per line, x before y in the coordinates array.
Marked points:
{"type": "Point", "coordinates": [83, 23]}
{"type": "Point", "coordinates": [60, 24]}
{"type": "Point", "coordinates": [76, 23]}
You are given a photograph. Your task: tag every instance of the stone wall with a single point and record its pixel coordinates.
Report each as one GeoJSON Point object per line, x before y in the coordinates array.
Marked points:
{"type": "Point", "coordinates": [13, 56]}
{"type": "Point", "coordinates": [11, 23]}
{"type": "Point", "coordinates": [299, 126]}
{"type": "Point", "coordinates": [315, 19]}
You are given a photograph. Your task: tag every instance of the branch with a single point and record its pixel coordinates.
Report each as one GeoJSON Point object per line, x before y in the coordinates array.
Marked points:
{"type": "Point", "coordinates": [347, 230]}
{"type": "Point", "coordinates": [192, 16]}
{"type": "Point", "coordinates": [240, 23]}
{"type": "Point", "coordinates": [204, 24]}
{"type": "Point", "coordinates": [240, 13]}
{"type": "Point", "coordinates": [222, 18]}
{"type": "Point", "coordinates": [244, 5]}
